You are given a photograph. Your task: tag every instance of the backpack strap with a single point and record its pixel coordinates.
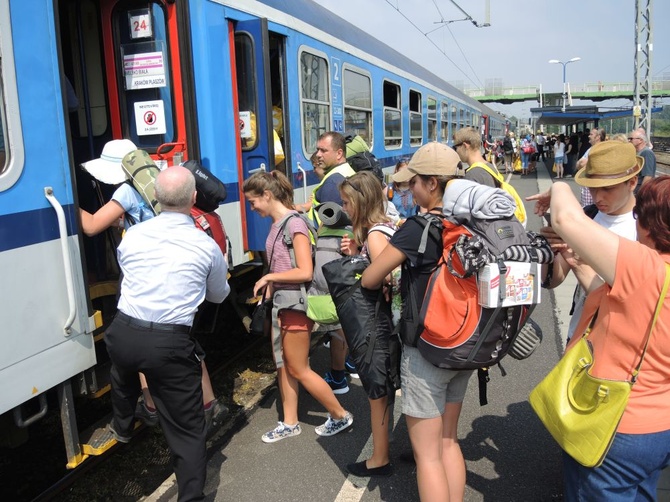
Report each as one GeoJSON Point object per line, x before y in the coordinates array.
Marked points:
{"type": "Point", "coordinates": [429, 222]}
{"type": "Point", "coordinates": [496, 176]}
{"type": "Point", "coordinates": [289, 243]}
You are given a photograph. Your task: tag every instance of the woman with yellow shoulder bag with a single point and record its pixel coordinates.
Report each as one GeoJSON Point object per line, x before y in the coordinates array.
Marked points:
{"type": "Point", "coordinates": [618, 373]}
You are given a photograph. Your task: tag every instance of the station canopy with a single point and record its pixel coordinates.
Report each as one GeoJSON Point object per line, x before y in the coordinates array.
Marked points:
{"type": "Point", "coordinates": [553, 115]}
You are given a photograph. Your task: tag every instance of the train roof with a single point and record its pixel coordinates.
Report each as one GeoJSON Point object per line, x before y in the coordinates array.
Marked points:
{"type": "Point", "coordinates": [325, 20]}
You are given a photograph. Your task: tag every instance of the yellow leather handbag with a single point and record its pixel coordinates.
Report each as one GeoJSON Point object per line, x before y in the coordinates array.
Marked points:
{"type": "Point", "coordinates": [582, 412]}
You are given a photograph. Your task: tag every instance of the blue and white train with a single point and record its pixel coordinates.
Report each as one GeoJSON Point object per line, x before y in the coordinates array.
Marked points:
{"type": "Point", "coordinates": [204, 79]}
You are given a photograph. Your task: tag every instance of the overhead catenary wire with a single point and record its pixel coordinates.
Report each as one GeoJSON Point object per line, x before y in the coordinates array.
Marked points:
{"type": "Point", "coordinates": [432, 42]}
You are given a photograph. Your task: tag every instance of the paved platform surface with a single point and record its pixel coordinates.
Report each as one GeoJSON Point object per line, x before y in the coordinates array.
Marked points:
{"type": "Point", "coordinates": [509, 455]}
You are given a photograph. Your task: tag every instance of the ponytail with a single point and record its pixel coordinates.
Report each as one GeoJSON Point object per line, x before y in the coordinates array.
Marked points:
{"type": "Point", "coordinates": [275, 182]}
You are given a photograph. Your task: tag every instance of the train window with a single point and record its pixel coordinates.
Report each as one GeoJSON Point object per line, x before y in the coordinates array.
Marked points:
{"type": "Point", "coordinates": [415, 119]}
{"type": "Point", "coordinates": [432, 119]}
{"type": "Point", "coordinates": [454, 119]}
{"type": "Point", "coordinates": [246, 89]}
{"type": "Point", "coordinates": [11, 137]}
{"type": "Point", "coordinates": [145, 91]}
{"type": "Point", "coordinates": [392, 115]}
{"type": "Point", "coordinates": [357, 104]}
{"type": "Point", "coordinates": [444, 126]}
{"type": "Point", "coordinates": [315, 99]}
{"type": "Point", "coordinates": [461, 118]}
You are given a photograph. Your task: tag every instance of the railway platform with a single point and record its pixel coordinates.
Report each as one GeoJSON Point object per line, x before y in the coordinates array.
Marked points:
{"type": "Point", "coordinates": [509, 455]}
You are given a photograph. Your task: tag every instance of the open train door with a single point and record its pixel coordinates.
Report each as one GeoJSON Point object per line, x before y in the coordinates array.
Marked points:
{"type": "Point", "coordinates": [144, 76]}
{"type": "Point", "coordinates": [252, 70]}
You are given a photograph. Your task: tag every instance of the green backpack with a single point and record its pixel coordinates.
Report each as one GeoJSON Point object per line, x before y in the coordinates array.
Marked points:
{"type": "Point", "coordinates": [142, 171]}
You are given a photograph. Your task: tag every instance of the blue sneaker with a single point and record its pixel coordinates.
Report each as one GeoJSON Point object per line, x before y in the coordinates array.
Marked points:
{"type": "Point", "coordinates": [351, 368]}
{"type": "Point", "coordinates": [339, 387]}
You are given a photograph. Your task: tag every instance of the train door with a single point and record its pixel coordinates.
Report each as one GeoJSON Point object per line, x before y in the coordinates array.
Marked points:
{"type": "Point", "coordinates": [254, 73]}
{"type": "Point", "coordinates": [46, 327]}
{"type": "Point", "coordinates": [121, 60]}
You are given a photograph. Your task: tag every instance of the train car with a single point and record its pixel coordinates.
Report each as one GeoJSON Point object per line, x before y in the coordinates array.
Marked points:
{"type": "Point", "coordinates": [215, 80]}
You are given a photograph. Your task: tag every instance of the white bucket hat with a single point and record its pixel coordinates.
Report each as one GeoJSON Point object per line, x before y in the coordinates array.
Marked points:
{"type": "Point", "coordinates": [107, 168]}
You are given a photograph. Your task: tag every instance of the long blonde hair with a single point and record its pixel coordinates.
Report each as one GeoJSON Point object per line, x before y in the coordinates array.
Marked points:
{"type": "Point", "coordinates": [367, 203]}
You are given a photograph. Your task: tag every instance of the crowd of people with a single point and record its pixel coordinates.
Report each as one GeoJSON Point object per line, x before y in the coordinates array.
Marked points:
{"type": "Point", "coordinates": [617, 247]}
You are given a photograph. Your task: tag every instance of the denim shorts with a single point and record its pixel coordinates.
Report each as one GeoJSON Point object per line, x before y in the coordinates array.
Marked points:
{"type": "Point", "coordinates": [630, 472]}
{"type": "Point", "coordinates": [558, 160]}
{"type": "Point", "coordinates": [426, 389]}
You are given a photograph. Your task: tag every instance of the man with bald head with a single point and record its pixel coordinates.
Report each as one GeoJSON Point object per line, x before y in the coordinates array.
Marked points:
{"type": "Point", "coordinates": [169, 267]}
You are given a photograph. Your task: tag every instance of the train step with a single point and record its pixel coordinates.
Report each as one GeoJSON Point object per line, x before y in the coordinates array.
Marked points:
{"type": "Point", "coordinates": [98, 439]}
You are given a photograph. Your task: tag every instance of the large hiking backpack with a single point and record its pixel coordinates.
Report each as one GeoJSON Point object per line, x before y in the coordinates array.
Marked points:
{"type": "Point", "coordinates": [483, 289]}
{"type": "Point", "coordinates": [508, 146]}
{"type": "Point", "coordinates": [141, 171]}
{"type": "Point", "coordinates": [211, 224]}
{"type": "Point", "coordinates": [360, 158]}
{"type": "Point", "coordinates": [334, 225]}
{"type": "Point", "coordinates": [520, 212]}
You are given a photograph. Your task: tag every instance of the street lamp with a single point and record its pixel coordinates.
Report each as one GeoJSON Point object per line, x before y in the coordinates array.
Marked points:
{"type": "Point", "coordinates": [565, 93]}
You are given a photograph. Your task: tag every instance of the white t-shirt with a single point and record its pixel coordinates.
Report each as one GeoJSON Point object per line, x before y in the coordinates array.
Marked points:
{"type": "Point", "coordinates": [559, 149]}
{"type": "Point", "coordinates": [621, 224]}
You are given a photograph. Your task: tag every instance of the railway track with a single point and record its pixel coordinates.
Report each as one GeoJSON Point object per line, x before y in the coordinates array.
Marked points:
{"type": "Point", "coordinates": [662, 163]}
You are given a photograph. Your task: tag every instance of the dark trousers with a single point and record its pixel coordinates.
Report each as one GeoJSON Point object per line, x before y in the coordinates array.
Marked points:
{"type": "Point", "coordinates": [173, 372]}
{"type": "Point", "coordinates": [541, 154]}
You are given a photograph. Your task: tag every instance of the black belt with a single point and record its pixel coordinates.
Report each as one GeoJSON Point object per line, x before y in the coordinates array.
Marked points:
{"type": "Point", "coordinates": [153, 326]}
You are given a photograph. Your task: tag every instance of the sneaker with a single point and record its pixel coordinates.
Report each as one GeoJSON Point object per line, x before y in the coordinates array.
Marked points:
{"type": "Point", "coordinates": [150, 418]}
{"type": "Point", "coordinates": [332, 427]}
{"type": "Point", "coordinates": [215, 414]}
{"type": "Point", "coordinates": [351, 368]}
{"type": "Point", "coordinates": [339, 387]}
{"type": "Point", "coordinates": [118, 437]}
{"type": "Point", "coordinates": [282, 431]}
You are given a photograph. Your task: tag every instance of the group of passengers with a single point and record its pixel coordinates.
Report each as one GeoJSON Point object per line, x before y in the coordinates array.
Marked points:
{"type": "Point", "coordinates": [618, 255]}
{"type": "Point", "coordinates": [600, 251]}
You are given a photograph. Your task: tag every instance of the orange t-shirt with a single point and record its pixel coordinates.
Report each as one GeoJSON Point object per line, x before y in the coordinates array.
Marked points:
{"type": "Point", "coordinates": [626, 310]}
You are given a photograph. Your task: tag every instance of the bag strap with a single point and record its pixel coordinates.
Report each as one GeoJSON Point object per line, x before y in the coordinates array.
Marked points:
{"type": "Point", "coordinates": [498, 177]}
{"type": "Point", "coordinates": [289, 243]}
{"type": "Point", "coordinates": [657, 312]}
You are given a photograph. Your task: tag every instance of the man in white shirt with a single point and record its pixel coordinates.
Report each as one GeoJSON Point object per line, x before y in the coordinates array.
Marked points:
{"type": "Point", "coordinates": [169, 267]}
{"type": "Point", "coordinates": [610, 174]}
{"type": "Point", "coordinates": [541, 140]}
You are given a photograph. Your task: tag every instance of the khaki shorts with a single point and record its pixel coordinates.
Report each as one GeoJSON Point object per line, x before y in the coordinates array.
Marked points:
{"type": "Point", "coordinates": [426, 389]}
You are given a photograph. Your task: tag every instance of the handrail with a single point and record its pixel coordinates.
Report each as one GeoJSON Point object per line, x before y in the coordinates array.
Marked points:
{"type": "Point", "coordinates": [65, 247]}
{"type": "Point", "coordinates": [18, 416]}
{"type": "Point", "coordinates": [304, 180]}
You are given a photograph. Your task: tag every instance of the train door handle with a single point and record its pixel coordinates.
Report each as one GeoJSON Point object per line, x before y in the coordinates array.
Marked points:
{"type": "Point", "coordinates": [261, 168]}
{"type": "Point", "coordinates": [65, 248]}
{"type": "Point", "coordinates": [304, 181]}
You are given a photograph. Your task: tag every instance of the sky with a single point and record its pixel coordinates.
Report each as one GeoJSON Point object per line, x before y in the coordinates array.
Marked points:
{"type": "Point", "coordinates": [523, 36]}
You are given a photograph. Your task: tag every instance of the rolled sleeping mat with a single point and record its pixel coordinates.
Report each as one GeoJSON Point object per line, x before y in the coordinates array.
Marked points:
{"type": "Point", "coordinates": [332, 215]}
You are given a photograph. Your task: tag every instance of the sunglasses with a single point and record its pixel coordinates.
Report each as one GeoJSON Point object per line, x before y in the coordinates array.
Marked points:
{"type": "Point", "coordinates": [456, 145]}
{"type": "Point", "coordinates": [358, 189]}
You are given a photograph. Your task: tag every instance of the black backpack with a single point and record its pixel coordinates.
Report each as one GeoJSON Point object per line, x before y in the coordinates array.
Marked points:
{"type": "Point", "coordinates": [366, 161]}
{"type": "Point", "coordinates": [210, 190]}
{"type": "Point", "coordinates": [507, 145]}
